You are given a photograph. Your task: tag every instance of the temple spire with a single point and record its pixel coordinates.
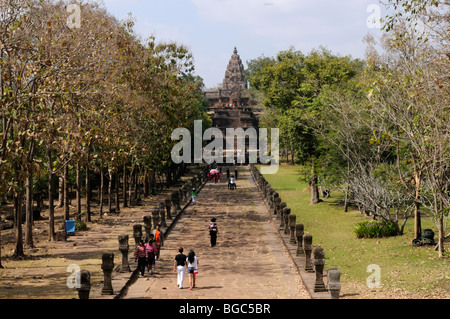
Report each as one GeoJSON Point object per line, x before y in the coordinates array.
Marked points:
{"type": "Point", "coordinates": [234, 75]}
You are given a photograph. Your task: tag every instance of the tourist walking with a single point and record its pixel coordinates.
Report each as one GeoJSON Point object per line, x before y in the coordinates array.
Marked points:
{"type": "Point", "coordinates": [141, 257]}
{"type": "Point", "coordinates": [194, 196]}
{"type": "Point", "coordinates": [151, 252]}
{"type": "Point", "coordinates": [159, 239]}
{"type": "Point", "coordinates": [231, 183]}
{"type": "Point", "coordinates": [179, 266]}
{"type": "Point", "coordinates": [236, 173]}
{"type": "Point", "coordinates": [213, 232]}
{"type": "Point", "coordinates": [192, 268]}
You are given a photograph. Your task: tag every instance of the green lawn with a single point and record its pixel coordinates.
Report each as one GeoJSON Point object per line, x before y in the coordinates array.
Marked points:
{"type": "Point", "coordinates": [405, 271]}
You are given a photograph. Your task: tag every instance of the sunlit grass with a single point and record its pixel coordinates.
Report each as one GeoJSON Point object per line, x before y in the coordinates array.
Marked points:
{"type": "Point", "coordinates": [404, 269]}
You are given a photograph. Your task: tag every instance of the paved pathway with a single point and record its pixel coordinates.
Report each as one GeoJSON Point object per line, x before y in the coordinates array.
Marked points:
{"type": "Point", "coordinates": [249, 261]}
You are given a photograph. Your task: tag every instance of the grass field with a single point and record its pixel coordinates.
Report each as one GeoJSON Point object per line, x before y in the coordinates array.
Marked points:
{"type": "Point", "coordinates": [405, 271]}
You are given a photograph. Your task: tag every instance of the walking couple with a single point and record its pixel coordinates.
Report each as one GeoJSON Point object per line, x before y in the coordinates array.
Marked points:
{"type": "Point", "coordinates": [181, 263]}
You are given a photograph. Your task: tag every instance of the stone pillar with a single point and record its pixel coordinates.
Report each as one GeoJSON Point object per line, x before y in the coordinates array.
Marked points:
{"type": "Point", "coordinates": [173, 198]}
{"type": "Point", "coordinates": [178, 200]}
{"type": "Point", "coordinates": [275, 195]}
{"type": "Point", "coordinates": [334, 282]}
{"type": "Point", "coordinates": [280, 209]}
{"type": "Point", "coordinates": [155, 217]}
{"type": "Point", "coordinates": [292, 220]}
{"type": "Point", "coordinates": [162, 208]}
{"type": "Point", "coordinates": [299, 231]}
{"type": "Point", "coordinates": [107, 267]}
{"type": "Point", "coordinates": [124, 248]}
{"type": "Point", "coordinates": [168, 204]}
{"type": "Point", "coordinates": [281, 217]}
{"type": "Point", "coordinates": [307, 246]}
{"type": "Point", "coordinates": [286, 213]}
{"type": "Point", "coordinates": [181, 195]}
{"type": "Point", "coordinates": [85, 284]}
{"type": "Point", "coordinates": [277, 207]}
{"type": "Point", "coordinates": [319, 263]}
{"type": "Point", "coordinates": [162, 214]}
{"type": "Point", "coordinates": [148, 226]}
{"type": "Point", "coordinates": [137, 233]}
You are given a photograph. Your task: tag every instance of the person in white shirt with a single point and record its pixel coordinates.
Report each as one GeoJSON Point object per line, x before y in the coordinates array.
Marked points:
{"type": "Point", "coordinates": [232, 182]}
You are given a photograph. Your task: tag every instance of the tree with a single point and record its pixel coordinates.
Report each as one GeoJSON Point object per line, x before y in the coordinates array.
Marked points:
{"type": "Point", "coordinates": [292, 84]}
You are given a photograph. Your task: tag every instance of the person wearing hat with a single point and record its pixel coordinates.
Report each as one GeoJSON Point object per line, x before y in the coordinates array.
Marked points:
{"type": "Point", "coordinates": [213, 231]}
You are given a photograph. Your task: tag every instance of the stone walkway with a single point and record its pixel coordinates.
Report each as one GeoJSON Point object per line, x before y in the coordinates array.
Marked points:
{"type": "Point", "coordinates": [249, 261]}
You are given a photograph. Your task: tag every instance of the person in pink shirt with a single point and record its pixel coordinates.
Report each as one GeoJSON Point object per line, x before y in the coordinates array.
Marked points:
{"type": "Point", "coordinates": [151, 251]}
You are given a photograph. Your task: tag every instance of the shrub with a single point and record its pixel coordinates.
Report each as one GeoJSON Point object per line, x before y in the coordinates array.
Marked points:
{"type": "Point", "coordinates": [376, 229]}
{"type": "Point", "coordinates": [80, 225]}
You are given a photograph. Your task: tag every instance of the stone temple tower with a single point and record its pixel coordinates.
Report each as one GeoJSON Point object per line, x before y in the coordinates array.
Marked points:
{"type": "Point", "coordinates": [234, 81]}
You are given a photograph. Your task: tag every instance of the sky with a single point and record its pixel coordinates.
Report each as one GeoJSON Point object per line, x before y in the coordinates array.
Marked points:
{"type": "Point", "coordinates": [212, 28]}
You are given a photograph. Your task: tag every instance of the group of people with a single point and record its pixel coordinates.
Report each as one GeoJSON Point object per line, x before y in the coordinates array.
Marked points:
{"type": "Point", "coordinates": [214, 175]}
{"type": "Point", "coordinates": [190, 262]}
{"type": "Point", "coordinates": [148, 251]}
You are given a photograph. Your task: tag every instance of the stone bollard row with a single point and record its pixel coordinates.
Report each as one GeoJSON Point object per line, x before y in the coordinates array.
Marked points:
{"type": "Point", "coordinates": [314, 257]}
{"type": "Point", "coordinates": [158, 216]}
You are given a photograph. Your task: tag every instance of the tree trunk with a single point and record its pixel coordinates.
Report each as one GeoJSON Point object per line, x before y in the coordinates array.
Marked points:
{"type": "Point", "coordinates": [441, 235]}
{"type": "Point", "coordinates": [18, 236]}
{"type": "Point", "coordinates": [346, 199]}
{"type": "Point", "coordinates": [417, 221]}
{"type": "Point", "coordinates": [61, 191]}
{"type": "Point", "coordinates": [51, 208]}
{"type": "Point", "coordinates": [110, 191]}
{"type": "Point", "coordinates": [136, 186]}
{"type": "Point", "coordinates": [1, 228]}
{"type": "Point", "coordinates": [125, 190]}
{"type": "Point", "coordinates": [29, 210]}
{"type": "Point", "coordinates": [88, 188]}
{"type": "Point", "coordinates": [146, 183]}
{"type": "Point", "coordinates": [117, 192]}
{"type": "Point", "coordinates": [153, 180]}
{"type": "Point", "coordinates": [66, 194]}
{"type": "Point", "coordinates": [101, 191]}
{"type": "Point", "coordinates": [78, 190]}
{"type": "Point", "coordinates": [313, 186]}
{"type": "Point", "coordinates": [130, 186]}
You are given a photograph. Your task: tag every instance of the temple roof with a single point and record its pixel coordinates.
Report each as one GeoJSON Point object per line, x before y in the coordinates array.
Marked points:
{"type": "Point", "coordinates": [234, 75]}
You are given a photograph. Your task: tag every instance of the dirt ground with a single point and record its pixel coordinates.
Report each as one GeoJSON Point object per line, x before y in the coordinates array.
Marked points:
{"type": "Point", "coordinates": [48, 265]}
